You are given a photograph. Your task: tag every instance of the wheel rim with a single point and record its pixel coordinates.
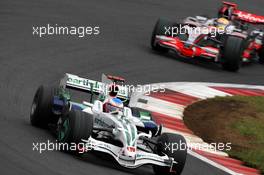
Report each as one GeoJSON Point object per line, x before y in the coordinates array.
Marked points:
{"type": "Point", "coordinates": [33, 109]}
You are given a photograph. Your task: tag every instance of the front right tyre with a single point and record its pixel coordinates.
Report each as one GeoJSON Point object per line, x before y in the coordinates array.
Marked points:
{"type": "Point", "coordinates": [75, 126]}
{"type": "Point", "coordinates": [261, 53]}
{"type": "Point", "coordinates": [174, 146]}
{"type": "Point", "coordinates": [160, 29]}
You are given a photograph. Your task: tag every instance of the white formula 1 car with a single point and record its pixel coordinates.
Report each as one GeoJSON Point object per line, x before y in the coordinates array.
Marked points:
{"type": "Point", "coordinates": [117, 133]}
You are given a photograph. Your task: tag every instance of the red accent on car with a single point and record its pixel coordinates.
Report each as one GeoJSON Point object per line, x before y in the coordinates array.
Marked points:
{"type": "Point", "coordinates": [249, 17]}
{"type": "Point", "coordinates": [131, 149]}
{"type": "Point", "coordinates": [230, 4]}
{"type": "Point", "coordinates": [116, 78]}
{"type": "Point", "coordinates": [252, 47]}
{"type": "Point", "coordinates": [186, 51]}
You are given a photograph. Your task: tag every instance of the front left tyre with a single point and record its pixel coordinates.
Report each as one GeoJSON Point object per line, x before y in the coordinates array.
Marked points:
{"type": "Point", "coordinates": [41, 110]}
{"type": "Point", "coordinates": [160, 29]}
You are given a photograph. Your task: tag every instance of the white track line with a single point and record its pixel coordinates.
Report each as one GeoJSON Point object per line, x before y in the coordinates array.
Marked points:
{"type": "Point", "coordinates": [204, 159]}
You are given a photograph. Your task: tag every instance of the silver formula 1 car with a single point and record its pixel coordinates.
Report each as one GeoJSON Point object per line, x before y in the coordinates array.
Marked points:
{"type": "Point", "coordinates": [117, 133]}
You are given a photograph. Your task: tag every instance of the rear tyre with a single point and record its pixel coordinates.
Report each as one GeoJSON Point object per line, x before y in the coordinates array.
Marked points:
{"type": "Point", "coordinates": [179, 154]}
{"type": "Point", "coordinates": [159, 29]}
{"type": "Point", "coordinates": [231, 53]}
{"type": "Point", "coordinates": [261, 56]}
{"type": "Point", "coordinates": [76, 126]}
{"type": "Point", "coordinates": [261, 53]}
{"type": "Point", "coordinates": [41, 110]}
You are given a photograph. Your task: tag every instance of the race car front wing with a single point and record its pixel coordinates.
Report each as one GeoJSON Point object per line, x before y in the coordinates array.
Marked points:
{"type": "Point", "coordinates": [141, 158]}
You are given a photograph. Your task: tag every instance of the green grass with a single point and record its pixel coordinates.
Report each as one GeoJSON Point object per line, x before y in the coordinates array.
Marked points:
{"type": "Point", "coordinates": [253, 128]}
{"type": "Point", "coordinates": [257, 102]}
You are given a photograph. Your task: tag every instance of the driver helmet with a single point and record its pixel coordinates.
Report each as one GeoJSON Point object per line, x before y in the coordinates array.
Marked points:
{"type": "Point", "coordinates": [222, 23]}
{"type": "Point", "coordinates": [113, 105]}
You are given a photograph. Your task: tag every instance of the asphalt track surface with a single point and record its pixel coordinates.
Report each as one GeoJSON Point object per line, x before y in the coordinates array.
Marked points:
{"type": "Point", "coordinates": [122, 48]}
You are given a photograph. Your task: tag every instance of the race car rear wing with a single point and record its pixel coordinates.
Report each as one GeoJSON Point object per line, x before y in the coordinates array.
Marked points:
{"type": "Point", "coordinates": [230, 4]}
{"type": "Point", "coordinates": [91, 86]}
{"type": "Point", "coordinates": [231, 11]}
